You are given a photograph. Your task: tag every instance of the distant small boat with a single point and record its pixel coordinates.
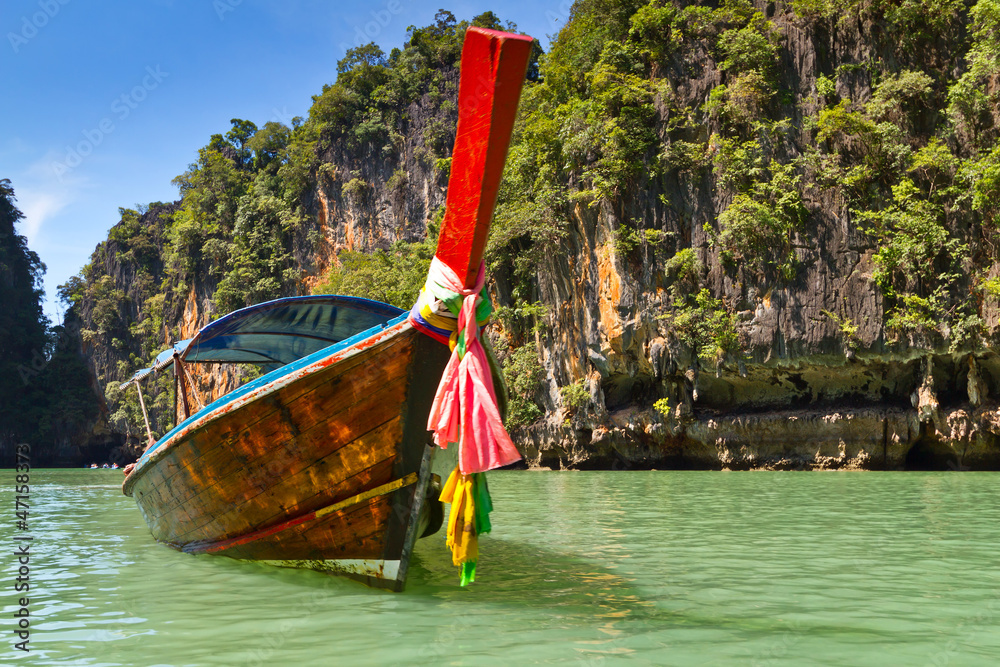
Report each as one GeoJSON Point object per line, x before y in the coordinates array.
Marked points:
{"type": "Point", "coordinates": [326, 461]}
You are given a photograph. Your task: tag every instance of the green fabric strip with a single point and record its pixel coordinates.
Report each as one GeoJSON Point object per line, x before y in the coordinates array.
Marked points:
{"type": "Point", "coordinates": [453, 300]}
{"type": "Point", "coordinates": [499, 386]}
{"type": "Point", "coordinates": [484, 308]}
{"type": "Point", "coordinates": [468, 572]}
{"type": "Point", "coordinates": [482, 503]}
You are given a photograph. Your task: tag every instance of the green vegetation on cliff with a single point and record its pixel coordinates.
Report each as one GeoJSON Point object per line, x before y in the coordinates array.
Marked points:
{"type": "Point", "coordinates": [45, 395]}
{"type": "Point", "coordinates": [611, 119]}
{"type": "Point", "coordinates": [674, 166]}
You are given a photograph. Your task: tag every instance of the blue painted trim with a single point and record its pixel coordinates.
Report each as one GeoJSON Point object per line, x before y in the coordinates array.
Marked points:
{"type": "Point", "coordinates": [267, 379]}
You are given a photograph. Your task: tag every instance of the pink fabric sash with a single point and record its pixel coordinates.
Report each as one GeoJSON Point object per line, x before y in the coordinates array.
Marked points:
{"type": "Point", "coordinates": [465, 405]}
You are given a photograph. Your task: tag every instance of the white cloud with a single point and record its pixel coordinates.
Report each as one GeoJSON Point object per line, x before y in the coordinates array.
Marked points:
{"type": "Point", "coordinates": [42, 195]}
{"type": "Point", "coordinates": [38, 206]}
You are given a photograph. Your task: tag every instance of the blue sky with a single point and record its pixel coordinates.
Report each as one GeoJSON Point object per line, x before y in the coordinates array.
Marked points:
{"type": "Point", "coordinates": [106, 102]}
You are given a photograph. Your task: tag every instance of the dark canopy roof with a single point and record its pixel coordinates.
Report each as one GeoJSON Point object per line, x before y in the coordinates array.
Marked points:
{"type": "Point", "coordinates": [283, 330]}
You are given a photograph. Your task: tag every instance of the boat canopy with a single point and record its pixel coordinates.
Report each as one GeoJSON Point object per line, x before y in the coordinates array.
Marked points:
{"type": "Point", "coordinates": [276, 333]}
{"type": "Point", "coordinates": [281, 331]}
{"type": "Point", "coordinates": [138, 375]}
{"type": "Point", "coordinates": [165, 358]}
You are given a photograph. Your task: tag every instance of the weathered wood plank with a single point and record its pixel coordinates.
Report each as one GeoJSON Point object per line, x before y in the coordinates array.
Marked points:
{"type": "Point", "coordinates": [345, 427]}
{"type": "Point", "coordinates": [363, 479]}
{"type": "Point", "coordinates": [351, 533]}
{"type": "Point", "coordinates": [347, 384]}
{"type": "Point", "coordinates": [270, 447]}
{"type": "Point", "coordinates": [350, 468]}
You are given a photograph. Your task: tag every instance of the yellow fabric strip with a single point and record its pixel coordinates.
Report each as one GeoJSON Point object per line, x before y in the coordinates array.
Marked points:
{"type": "Point", "coordinates": [440, 321]}
{"type": "Point", "coordinates": [462, 538]}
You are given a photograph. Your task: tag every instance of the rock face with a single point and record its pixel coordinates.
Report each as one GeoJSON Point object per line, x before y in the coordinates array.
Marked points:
{"type": "Point", "coordinates": [368, 197]}
{"type": "Point", "coordinates": [820, 380]}
{"type": "Point", "coordinates": [361, 199]}
{"type": "Point", "coordinates": [806, 393]}
{"type": "Point", "coordinates": [929, 410]}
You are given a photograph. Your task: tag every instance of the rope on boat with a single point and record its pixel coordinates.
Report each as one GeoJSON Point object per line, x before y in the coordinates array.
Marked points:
{"type": "Point", "coordinates": [145, 415]}
{"type": "Point", "coordinates": [190, 383]}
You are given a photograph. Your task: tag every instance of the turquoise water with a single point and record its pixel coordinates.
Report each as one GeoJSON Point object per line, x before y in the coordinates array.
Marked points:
{"type": "Point", "coordinates": [587, 568]}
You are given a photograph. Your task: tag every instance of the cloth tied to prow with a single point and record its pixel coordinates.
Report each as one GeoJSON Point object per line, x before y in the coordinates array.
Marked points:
{"type": "Point", "coordinates": [465, 410]}
{"type": "Point", "coordinates": [471, 505]}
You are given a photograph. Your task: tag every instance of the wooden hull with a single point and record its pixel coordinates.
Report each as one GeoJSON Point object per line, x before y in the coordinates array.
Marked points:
{"type": "Point", "coordinates": [326, 462]}
{"type": "Point", "coordinates": [324, 466]}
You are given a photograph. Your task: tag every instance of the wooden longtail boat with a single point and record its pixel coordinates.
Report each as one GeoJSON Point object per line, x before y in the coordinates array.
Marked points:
{"type": "Point", "coordinates": [326, 461]}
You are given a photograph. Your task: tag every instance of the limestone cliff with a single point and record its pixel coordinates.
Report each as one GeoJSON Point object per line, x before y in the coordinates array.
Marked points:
{"type": "Point", "coordinates": [139, 294]}
{"type": "Point", "coordinates": [756, 235]}
{"type": "Point", "coordinates": [822, 379]}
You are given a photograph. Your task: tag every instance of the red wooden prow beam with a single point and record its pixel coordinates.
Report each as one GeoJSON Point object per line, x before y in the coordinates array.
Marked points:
{"type": "Point", "coordinates": [493, 68]}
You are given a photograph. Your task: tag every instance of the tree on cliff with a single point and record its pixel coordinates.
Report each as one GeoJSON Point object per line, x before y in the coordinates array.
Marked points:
{"type": "Point", "coordinates": [46, 397]}
{"type": "Point", "coordinates": [674, 193]}
{"type": "Point", "coordinates": [23, 339]}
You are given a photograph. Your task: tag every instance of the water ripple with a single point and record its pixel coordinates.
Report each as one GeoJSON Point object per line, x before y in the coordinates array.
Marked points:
{"type": "Point", "coordinates": [596, 568]}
